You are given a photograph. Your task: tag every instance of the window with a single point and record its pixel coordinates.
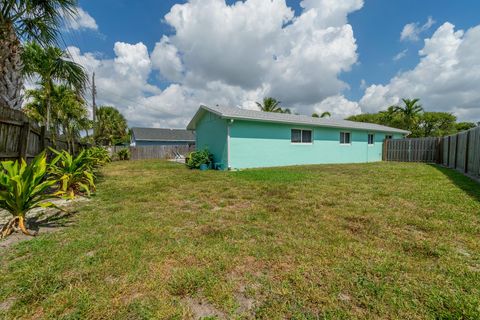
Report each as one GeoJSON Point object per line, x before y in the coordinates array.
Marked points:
{"type": "Point", "coordinates": [306, 136]}
{"type": "Point", "coordinates": [301, 136]}
{"type": "Point", "coordinates": [345, 138]}
{"type": "Point", "coordinates": [388, 136]}
{"type": "Point", "coordinates": [371, 138]}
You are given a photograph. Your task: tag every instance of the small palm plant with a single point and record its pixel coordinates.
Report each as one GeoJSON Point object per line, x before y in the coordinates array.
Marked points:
{"type": "Point", "coordinates": [123, 154]}
{"type": "Point", "coordinates": [22, 188]}
{"type": "Point", "coordinates": [73, 173]}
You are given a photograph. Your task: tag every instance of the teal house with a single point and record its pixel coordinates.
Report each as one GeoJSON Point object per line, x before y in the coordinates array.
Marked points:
{"type": "Point", "coordinates": [240, 138]}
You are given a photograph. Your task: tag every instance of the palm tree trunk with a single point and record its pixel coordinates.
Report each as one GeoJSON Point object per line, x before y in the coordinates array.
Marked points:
{"type": "Point", "coordinates": [47, 104]}
{"type": "Point", "coordinates": [11, 80]}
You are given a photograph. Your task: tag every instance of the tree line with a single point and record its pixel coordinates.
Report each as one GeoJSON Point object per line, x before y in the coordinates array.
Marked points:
{"type": "Point", "coordinates": [28, 51]}
{"type": "Point", "coordinates": [412, 117]}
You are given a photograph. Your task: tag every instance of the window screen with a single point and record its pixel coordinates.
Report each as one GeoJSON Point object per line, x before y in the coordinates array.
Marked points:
{"type": "Point", "coordinates": [371, 138]}
{"type": "Point", "coordinates": [306, 136]}
{"type": "Point", "coordinates": [301, 136]}
{"type": "Point", "coordinates": [296, 136]}
{"type": "Point", "coordinates": [345, 138]}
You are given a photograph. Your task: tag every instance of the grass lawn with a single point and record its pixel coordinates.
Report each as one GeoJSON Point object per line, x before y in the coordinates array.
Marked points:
{"type": "Point", "coordinates": [384, 240]}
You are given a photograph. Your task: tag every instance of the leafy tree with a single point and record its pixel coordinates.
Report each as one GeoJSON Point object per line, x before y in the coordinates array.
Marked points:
{"type": "Point", "coordinates": [26, 20]}
{"type": "Point", "coordinates": [367, 117]}
{"type": "Point", "coordinates": [463, 126]}
{"type": "Point", "coordinates": [434, 124]}
{"type": "Point", "coordinates": [52, 65]}
{"type": "Point", "coordinates": [427, 124]}
{"type": "Point", "coordinates": [110, 127]}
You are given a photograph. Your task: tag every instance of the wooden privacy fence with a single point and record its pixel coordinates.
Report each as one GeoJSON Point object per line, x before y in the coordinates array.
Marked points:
{"type": "Point", "coordinates": [412, 150]}
{"type": "Point", "coordinates": [20, 138]}
{"type": "Point", "coordinates": [460, 151]}
{"type": "Point", "coordinates": [155, 152]}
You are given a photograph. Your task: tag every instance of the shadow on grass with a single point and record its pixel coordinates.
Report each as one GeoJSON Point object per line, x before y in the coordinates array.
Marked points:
{"type": "Point", "coordinates": [57, 220]}
{"type": "Point", "coordinates": [467, 184]}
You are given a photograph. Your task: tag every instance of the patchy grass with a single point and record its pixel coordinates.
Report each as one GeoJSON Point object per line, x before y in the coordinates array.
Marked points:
{"type": "Point", "coordinates": [385, 240]}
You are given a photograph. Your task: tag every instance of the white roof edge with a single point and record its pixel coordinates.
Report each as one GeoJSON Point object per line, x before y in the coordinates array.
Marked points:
{"type": "Point", "coordinates": [225, 115]}
{"type": "Point", "coordinates": [180, 140]}
{"type": "Point", "coordinates": [390, 129]}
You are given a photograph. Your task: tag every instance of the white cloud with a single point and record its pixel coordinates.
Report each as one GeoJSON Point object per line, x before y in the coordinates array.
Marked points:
{"type": "Point", "coordinates": [412, 31]}
{"type": "Point", "coordinates": [233, 55]}
{"type": "Point", "coordinates": [338, 106]}
{"type": "Point", "coordinates": [165, 58]}
{"type": "Point", "coordinates": [363, 84]}
{"type": "Point", "coordinates": [82, 20]}
{"type": "Point", "coordinates": [446, 78]}
{"type": "Point", "coordinates": [400, 55]}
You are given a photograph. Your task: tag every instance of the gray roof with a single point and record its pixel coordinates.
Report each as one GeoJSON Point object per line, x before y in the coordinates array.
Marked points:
{"type": "Point", "coordinates": [159, 134]}
{"type": "Point", "coordinates": [254, 115]}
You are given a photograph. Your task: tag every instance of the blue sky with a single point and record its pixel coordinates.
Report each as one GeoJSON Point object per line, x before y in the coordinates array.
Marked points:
{"type": "Point", "coordinates": [376, 24]}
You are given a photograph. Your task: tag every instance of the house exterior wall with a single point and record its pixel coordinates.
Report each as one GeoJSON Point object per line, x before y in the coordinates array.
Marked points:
{"type": "Point", "coordinates": [211, 134]}
{"type": "Point", "coordinates": [261, 144]}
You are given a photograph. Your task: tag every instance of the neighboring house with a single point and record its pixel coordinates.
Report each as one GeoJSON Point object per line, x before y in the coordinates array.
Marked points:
{"type": "Point", "coordinates": [240, 138]}
{"type": "Point", "coordinates": [161, 137]}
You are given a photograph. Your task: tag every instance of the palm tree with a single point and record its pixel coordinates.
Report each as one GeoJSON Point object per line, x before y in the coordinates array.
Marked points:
{"type": "Point", "coordinates": [323, 115]}
{"type": "Point", "coordinates": [68, 111]}
{"type": "Point", "coordinates": [72, 115]}
{"type": "Point", "coordinates": [110, 127]}
{"type": "Point", "coordinates": [388, 116]}
{"type": "Point", "coordinates": [51, 65]}
{"type": "Point", "coordinates": [410, 111]}
{"type": "Point", "coordinates": [26, 20]}
{"type": "Point", "coordinates": [270, 105]}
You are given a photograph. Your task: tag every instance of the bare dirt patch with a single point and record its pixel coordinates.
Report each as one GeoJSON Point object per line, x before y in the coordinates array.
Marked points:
{"type": "Point", "coordinates": [7, 304]}
{"type": "Point", "coordinates": [201, 308]}
{"type": "Point", "coordinates": [41, 220]}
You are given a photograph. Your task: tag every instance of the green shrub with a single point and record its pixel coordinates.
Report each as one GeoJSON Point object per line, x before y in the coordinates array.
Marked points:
{"type": "Point", "coordinates": [123, 154]}
{"type": "Point", "coordinates": [99, 156]}
{"type": "Point", "coordinates": [196, 158]}
{"type": "Point", "coordinates": [22, 188]}
{"type": "Point", "coordinates": [74, 173]}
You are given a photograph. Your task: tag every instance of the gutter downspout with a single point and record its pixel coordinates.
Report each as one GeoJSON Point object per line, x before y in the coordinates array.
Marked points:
{"type": "Point", "coordinates": [230, 121]}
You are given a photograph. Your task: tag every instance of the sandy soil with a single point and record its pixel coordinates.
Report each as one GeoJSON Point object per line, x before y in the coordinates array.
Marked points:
{"type": "Point", "coordinates": [40, 221]}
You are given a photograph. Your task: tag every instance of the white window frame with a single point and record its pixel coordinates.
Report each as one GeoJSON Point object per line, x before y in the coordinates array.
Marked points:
{"type": "Point", "coordinates": [368, 139]}
{"type": "Point", "coordinates": [301, 137]}
{"type": "Point", "coordinates": [340, 138]}
{"type": "Point", "coordinates": [389, 135]}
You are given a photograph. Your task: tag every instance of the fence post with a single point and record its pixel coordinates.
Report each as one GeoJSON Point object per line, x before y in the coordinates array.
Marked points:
{"type": "Point", "coordinates": [409, 150]}
{"type": "Point", "coordinates": [23, 141]}
{"type": "Point", "coordinates": [448, 149]}
{"type": "Point", "coordinates": [456, 151]}
{"type": "Point", "coordinates": [385, 146]}
{"type": "Point", "coordinates": [439, 153]}
{"type": "Point", "coordinates": [467, 145]}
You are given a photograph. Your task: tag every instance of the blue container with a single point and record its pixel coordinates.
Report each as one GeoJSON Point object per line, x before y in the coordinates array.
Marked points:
{"type": "Point", "coordinates": [203, 167]}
